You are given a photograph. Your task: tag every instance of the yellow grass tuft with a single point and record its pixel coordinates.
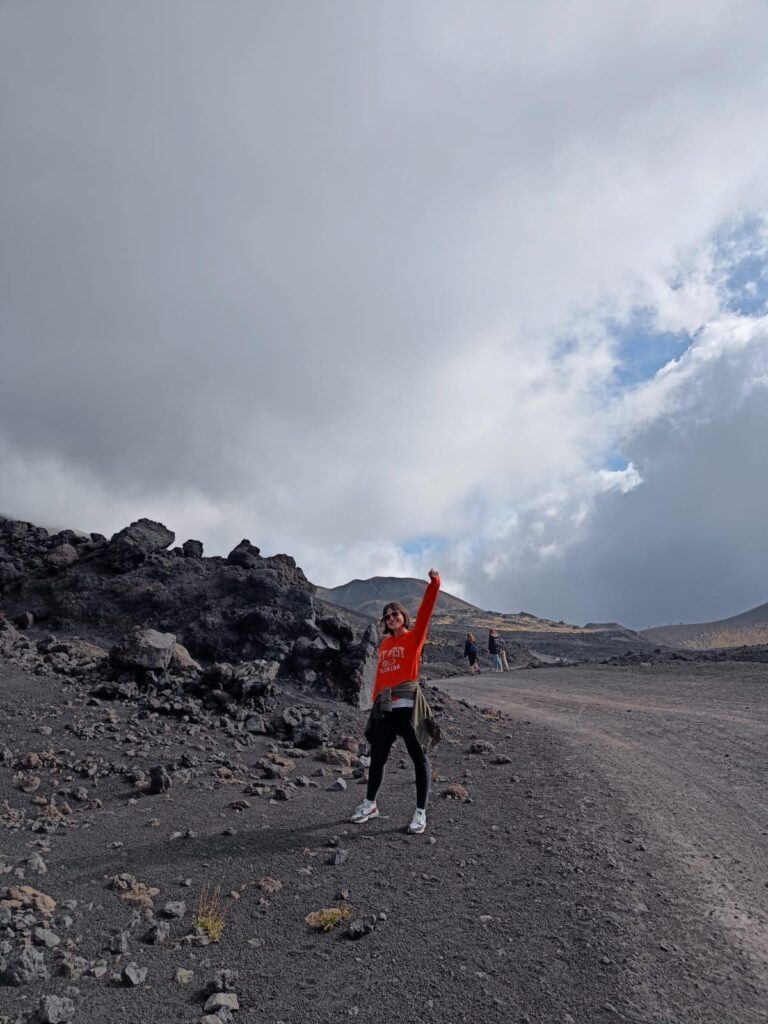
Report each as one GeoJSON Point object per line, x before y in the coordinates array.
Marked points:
{"type": "Point", "coordinates": [210, 915]}
{"type": "Point", "coordinates": [328, 918]}
{"type": "Point", "coordinates": [745, 637]}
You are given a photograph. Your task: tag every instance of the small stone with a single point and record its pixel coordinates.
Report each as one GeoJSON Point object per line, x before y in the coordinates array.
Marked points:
{"type": "Point", "coordinates": [338, 857]}
{"type": "Point", "coordinates": [222, 981]}
{"type": "Point", "coordinates": [28, 966]}
{"type": "Point", "coordinates": [360, 927]}
{"type": "Point", "coordinates": [481, 747]}
{"type": "Point", "coordinates": [338, 786]}
{"type": "Point", "coordinates": [175, 908]}
{"type": "Point", "coordinates": [133, 975]}
{"type": "Point", "coordinates": [45, 937]}
{"type": "Point", "coordinates": [159, 780]}
{"type": "Point", "coordinates": [221, 1000]}
{"type": "Point", "coordinates": [55, 1010]}
{"type": "Point", "coordinates": [36, 864]}
{"type": "Point", "coordinates": [184, 976]}
{"type": "Point", "coordinates": [157, 932]}
{"type": "Point", "coordinates": [119, 942]}
{"type": "Point", "coordinates": [455, 791]}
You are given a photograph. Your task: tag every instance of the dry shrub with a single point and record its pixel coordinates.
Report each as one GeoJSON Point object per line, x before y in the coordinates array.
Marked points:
{"type": "Point", "coordinates": [328, 918]}
{"type": "Point", "coordinates": [270, 885]}
{"type": "Point", "coordinates": [455, 791]}
{"type": "Point", "coordinates": [746, 637]}
{"type": "Point", "coordinates": [210, 916]}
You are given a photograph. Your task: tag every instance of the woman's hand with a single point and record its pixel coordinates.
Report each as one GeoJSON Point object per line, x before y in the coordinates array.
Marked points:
{"type": "Point", "coordinates": [433, 574]}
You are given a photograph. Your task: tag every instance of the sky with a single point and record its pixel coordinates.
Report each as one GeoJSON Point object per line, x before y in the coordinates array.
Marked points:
{"type": "Point", "coordinates": [387, 286]}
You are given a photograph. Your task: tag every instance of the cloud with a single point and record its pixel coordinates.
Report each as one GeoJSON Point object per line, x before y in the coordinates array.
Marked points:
{"type": "Point", "coordinates": [336, 280]}
{"type": "Point", "coordinates": [677, 534]}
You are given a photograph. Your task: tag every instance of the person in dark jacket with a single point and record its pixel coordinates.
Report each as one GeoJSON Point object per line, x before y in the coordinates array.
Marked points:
{"type": "Point", "coordinates": [493, 649]}
{"type": "Point", "coordinates": [470, 653]}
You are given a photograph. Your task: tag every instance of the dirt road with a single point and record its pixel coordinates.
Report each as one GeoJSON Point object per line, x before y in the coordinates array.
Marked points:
{"type": "Point", "coordinates": [687, 748]}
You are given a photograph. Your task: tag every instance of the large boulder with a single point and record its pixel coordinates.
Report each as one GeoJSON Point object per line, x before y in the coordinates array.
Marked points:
{"type": "Point", "coordinates": [246, 555]}
{"type": "Point", "coordinates": [144, 648]}
{"type": "Point", "coordinates": [192, 548]}
{"type": "Point", "coordinates": [132, 546]}
{"type": "Point", "coordinates": [62, 556]}
{"type": "Point", "coordinates": [330, 655]}
{"type": "Point", "coordinates": [23, 550]}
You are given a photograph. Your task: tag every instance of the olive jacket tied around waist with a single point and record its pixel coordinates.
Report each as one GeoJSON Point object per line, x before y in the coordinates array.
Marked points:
{"type": "Point", "coordinates": [426, 728]}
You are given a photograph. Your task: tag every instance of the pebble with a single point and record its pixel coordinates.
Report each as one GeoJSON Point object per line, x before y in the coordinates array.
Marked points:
{"type": "Point", "coordinates": [132, 975]}
{"type": "Point", "coordinates": [221, 1000]}
{"type": "Point", "coordinates": [157, 933]}
{"type": "Point", "coordinates": [184, 976]}
{"type": "Point", "coordinates": [119, 942]}
{"type": "Point", "coordinates": [55, 1010]}
{"type": "Point", "coordinates": [360, 927]}
{"type": "Point", "coordinates": [45, 937]}
{"type": "Point", "coordinates": [338, 786]}
{"type": "Point", "coordinates": [28, 966]}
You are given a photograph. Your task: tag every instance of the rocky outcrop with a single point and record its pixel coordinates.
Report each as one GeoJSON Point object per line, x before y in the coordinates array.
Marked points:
{"type": "Point", "coordinates": [144, 648]}
{"type": "Point", "coordinates": [133, 545]}
{"type": "Point", "coordinates": [243, 608]}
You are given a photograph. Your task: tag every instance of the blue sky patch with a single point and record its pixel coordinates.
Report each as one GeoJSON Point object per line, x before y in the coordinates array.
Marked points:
{"type": "Point", "coordinates": [742, 253]}
{"type": "Point", "coordinates": [427, 542]}
{"type": "Point", "coordinates": [616, 463]}
{"type": "Point", "coordinates": [641, 350]}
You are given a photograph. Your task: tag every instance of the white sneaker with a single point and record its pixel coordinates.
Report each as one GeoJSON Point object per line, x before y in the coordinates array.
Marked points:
{"type": "Point", "coordinates": [418, 822]}
{"type": "Point", "coordinates": [364, 812]}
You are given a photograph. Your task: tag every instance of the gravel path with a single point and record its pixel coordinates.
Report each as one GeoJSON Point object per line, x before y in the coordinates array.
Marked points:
{"type": "Point", "coordinates": [561, 893]}
{"type": "Point", "coordinates": [687, 750]}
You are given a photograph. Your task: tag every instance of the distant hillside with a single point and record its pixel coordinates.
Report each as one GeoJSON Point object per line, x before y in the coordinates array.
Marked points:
{"type": "Point", "coordinates": [532, 638]}
{"type": "Point", "coordinates": [370, 596]}
{"type": "Point", "coordinates": [747, 629]}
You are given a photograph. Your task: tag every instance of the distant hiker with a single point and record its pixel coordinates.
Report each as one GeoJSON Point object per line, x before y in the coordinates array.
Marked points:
{"type": "Point", "coordinates": [493, 649]}
{"type": "Point", "coordinates": [470, 653]}
{"type": "Point", "coordinates": [501, 648]}
{"type": "Point", "coordinates": [399, 705]}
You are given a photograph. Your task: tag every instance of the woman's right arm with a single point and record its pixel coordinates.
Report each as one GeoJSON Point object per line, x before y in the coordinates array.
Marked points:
{"type": "Point", "coordinates": [427, 605]}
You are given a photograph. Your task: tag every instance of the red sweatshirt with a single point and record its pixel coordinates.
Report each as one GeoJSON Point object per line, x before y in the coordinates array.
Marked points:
{"type": "Point", "coordinates": [399, 655]}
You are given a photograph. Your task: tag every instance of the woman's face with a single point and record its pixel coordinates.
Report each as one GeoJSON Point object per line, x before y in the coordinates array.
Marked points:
{"type": "Point", "coordinates": [394, 619]}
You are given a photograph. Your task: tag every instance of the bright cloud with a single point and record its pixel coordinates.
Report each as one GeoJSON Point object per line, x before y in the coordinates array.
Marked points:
{"type": "Point", "coordinates": [334, 280]}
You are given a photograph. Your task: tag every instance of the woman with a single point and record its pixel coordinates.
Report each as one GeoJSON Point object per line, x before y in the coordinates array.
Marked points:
{"type": "Point", "coordinates": [399, 705]}
{"type": "Point", "coordinates": [470, 653]}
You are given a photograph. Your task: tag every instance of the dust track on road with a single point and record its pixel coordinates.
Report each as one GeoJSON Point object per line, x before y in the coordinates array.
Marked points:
{"type": "Point", "coordinates": [688, 748]}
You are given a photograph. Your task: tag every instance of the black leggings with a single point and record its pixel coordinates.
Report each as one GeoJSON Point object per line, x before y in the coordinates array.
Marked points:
{"type": "Point", "coordinates": [384, 732]}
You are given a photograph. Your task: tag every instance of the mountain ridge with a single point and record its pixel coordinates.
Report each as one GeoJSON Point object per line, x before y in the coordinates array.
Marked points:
{"type": "Point", "coordinates": [747, 628]}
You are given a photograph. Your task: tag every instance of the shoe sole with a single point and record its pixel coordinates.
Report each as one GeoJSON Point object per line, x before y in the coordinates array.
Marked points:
{"type": "Point", "coordinates": [416, 831]}
{"type": "Point", "coordinates": [362, 821]}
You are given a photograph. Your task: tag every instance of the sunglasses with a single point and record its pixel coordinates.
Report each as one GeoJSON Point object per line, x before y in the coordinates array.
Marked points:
{"type": "Point", "coordinates": [393, 615]}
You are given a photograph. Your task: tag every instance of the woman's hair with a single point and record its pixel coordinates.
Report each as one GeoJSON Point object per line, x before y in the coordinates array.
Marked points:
{"type": "Point", "coordinates": [394, 606]}
{"type": "Point", "coordinates": [471, 636]}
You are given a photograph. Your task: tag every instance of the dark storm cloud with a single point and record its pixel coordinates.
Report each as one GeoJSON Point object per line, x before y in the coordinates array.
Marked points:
{"type": "Point", "coordinates": [307, 267]}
